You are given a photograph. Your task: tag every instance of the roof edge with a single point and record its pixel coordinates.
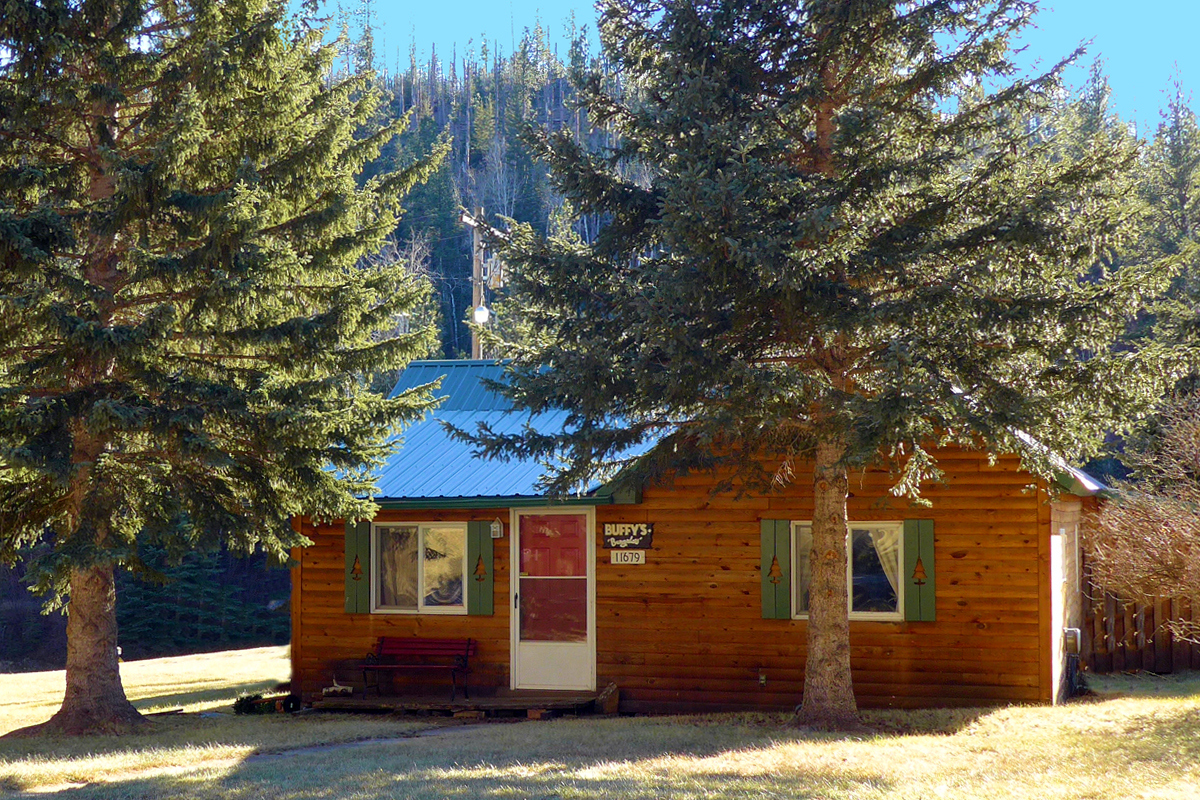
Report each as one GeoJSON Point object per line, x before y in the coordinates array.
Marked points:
{"type": "Point", "coordinates": [457, 362]}
{"type": "Point", "coordinates": [510, 501]}
{"type": "Point", "coordinates": [1077, 482]}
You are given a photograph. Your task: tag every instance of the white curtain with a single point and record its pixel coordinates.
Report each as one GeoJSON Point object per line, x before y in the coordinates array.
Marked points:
{"type": "Point", "coordinates": [887, 547]}
{"type": "Point", "coordinates": [444, 554]}
{"type": "Point", "coordinates": [398, 567]}
{"type": "Point", "coordinates": [803, 567]}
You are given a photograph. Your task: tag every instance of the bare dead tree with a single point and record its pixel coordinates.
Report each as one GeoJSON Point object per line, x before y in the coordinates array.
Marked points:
{"type": "Point", "coordinates": [414, 254]}
{"type": "Point", "coordinates": [1144, 543]}
{"type": "Point", "coordinates": [501, 184]}
{"type": "Point", "coordinates": [425, 315]}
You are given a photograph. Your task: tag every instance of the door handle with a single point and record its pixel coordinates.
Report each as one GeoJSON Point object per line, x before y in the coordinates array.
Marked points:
{"type": "Point", "coordinates": [516, 600]}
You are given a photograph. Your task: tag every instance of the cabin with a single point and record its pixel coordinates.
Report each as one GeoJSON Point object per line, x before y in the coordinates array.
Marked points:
{"type": "Point", "coordinates": [685, 600]}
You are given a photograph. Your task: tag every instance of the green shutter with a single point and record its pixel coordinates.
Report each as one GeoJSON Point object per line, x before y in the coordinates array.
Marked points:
{"type": "Point", "coordinates": [358, 567]}
{"type": "Point", "coordinates": [918, 588]}
{"type": "Point", "coordinates": [480, 583]}
{"type": "Point", "coordinates": [776, 569]}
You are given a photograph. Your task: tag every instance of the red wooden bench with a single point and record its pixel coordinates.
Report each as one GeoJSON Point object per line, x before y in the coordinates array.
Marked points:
{"type": "Point", "coordinates": [394, 654]}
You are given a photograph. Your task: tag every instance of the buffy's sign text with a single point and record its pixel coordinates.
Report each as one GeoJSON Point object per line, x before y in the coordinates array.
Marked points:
{"type": "Point", "coordinates": [628, 535]}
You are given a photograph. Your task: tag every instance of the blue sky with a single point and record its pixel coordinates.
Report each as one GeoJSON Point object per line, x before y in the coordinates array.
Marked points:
{"type": "Point", "coordinates": [1141, 41]}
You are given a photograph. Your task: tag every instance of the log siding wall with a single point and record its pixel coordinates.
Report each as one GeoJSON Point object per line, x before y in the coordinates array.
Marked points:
{"type": "Point", "coordinates": [326, 640]}
{"type": "Point", "coordinates": [684, 631]}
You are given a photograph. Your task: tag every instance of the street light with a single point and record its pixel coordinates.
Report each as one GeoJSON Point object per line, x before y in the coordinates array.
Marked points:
{"type": "Point", "coordinates": [482, 314]}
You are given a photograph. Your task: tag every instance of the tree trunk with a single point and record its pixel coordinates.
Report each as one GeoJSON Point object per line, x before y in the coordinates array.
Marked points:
{"type": "Point", "coordinates": [828, 689]}
{"type": "Point", "coordinates": [95, 701]}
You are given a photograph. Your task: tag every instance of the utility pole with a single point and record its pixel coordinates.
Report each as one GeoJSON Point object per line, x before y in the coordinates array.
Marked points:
{"type": "Point", "coordinates": [493, 277]}
{"type": "Point", "coordinates": [476, 277]}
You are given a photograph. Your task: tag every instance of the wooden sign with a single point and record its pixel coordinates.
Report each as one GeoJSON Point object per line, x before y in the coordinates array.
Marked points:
{"type": "Point", "coordinates": [627, 557]}
{"type": "Point", "coordinates": [628, 535]}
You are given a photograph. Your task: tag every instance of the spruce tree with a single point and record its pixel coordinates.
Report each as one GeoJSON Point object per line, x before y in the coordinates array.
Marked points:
{"type": "Point", "coordinates": [1171, 190]}
{"type": "Point", "coordinates": [184, 321]}
{"type": "Point", "coordinates": [855, 240]}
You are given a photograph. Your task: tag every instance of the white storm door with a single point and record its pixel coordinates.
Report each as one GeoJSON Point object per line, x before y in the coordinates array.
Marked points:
{"type": "Point", "coordinates": [554, 599]}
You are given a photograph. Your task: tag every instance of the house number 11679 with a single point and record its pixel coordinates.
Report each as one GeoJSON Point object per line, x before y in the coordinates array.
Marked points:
{"type": "Point", "coordinates": [627, 556]}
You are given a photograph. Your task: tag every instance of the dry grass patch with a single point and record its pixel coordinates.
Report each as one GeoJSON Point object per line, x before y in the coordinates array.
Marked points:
{"type": "Point", "coordinates": [194, 683]}
{"type": "Point", "coordinates": [180, 745]}
{"type": "Point", "coordinates": [1144, 744]}
{"type": "Point", "coordinates": [207, 735]}
{"type": "Point", "coordinates": [1135, 747]}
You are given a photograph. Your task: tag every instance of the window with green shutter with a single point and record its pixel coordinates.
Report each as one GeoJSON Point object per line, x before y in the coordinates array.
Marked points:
{"type": "Point", "coordinates": [889, 570]}
{"type": "Point", "coordinates": [419, 568]}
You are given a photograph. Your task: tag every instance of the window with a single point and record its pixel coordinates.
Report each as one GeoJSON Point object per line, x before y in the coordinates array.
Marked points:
{"type": "Point", "coordinates": [872, 571]}
{"type": "Point", "coordinates": [419, 568]}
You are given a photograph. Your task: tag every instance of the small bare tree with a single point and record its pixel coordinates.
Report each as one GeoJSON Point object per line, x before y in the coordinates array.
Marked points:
{"type": "Point", "coordinates": [1144, 544]}
{"type": "Point", "coordinates": [501, 183]}
{"type": "Point", "coordinates": [414, 254]}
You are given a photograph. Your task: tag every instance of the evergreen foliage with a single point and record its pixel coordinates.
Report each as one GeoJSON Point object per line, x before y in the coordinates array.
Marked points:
{"type": "Point", "coordinates": [1170, 186]}
{"type": "Point", "coordinates": [207, 601]}
{"type": "Point", "coordinates": [480, 100]}
{"type": "Point", "coordinates": [1166, 184]}
{"type": "Point", "coordinates": [858, 235]}
{"type": "Point", "coordinates": [185, 319]}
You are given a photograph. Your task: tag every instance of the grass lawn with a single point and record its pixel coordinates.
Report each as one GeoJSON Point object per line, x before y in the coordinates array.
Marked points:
{"type": "Point", "coordinates": [206, 736]}
{"type": "Point", "coordinates": [1143, 741]}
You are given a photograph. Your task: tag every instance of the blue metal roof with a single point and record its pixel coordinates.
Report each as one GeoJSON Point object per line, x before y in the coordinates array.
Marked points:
{"type": "Point", "coordinates": [462, 384]}
{"type": "Point", "coordinates": [430, 465]}
{"type": "Point", "coordinates": [431, 468]}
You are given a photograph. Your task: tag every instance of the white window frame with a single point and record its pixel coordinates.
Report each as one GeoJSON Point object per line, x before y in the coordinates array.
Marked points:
{"type": "Point", "coordinates": [872, 616]}
{"type": "Point", "coordinates": [376, 564]}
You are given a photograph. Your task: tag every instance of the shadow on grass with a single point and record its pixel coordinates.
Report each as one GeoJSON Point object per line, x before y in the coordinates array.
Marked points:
{"type": "Point", "coordinates": [1144, 738]}
{"type": "Point", "coordinates": [393, 779]}
{"type": "Point", "coordinates": [224, 693]}
{"type": "Point", "coordinates": [417, 786]}
{"type": "Point", "coordinates": [679, 758]}
{"type": "Point", "coordinates": [591, 757]}
{"type": "Point", "coordinates": [530, 760]}
{"type": "Point", "coordinates": [1144, 684]}
{"type": "Point", "coordinates": [947, 721]}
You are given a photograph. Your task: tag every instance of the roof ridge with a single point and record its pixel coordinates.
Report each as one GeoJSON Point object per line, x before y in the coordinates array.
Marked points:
{"type": "Point", "coordinates": [463, 383]}
{"type": "Point", "coordinates": [458, 362]}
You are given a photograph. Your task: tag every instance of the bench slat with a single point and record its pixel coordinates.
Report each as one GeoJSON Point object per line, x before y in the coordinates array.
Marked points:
{"type": "Point", "coordinates": [392, 649]}
{"type": "Point", "coordinates": [411, 666]}
{"type": "Point", "coordinates": [423, 649]}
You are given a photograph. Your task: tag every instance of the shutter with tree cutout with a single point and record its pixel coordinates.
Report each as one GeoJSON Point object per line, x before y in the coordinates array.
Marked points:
{"type": "Point", "coordinates": [918, 570]}
{"type": "Point", "coordinates": [480, 583]}
{"type": "Point", "coordinates": [358, 567]}
{"type": "Point", "coordinates": [776, 569]}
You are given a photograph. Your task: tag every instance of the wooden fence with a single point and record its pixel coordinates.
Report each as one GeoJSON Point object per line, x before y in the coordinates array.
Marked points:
{"type": "Point", "coordinates": [1123, 637]}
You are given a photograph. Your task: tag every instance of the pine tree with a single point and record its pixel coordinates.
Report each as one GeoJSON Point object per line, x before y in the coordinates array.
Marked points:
{"type": "Point", "coordinates": [184, 323]}
{"type": "Point", "coordinates": [854, 242]}
{"type": "Point", "coordinates": [203, 603]}
{"type": "Point", "coordinates": [1171, 191]}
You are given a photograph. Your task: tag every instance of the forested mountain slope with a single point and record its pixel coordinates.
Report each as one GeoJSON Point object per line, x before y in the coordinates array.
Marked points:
{"type": "Point", "coordinates": [482, 101]}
